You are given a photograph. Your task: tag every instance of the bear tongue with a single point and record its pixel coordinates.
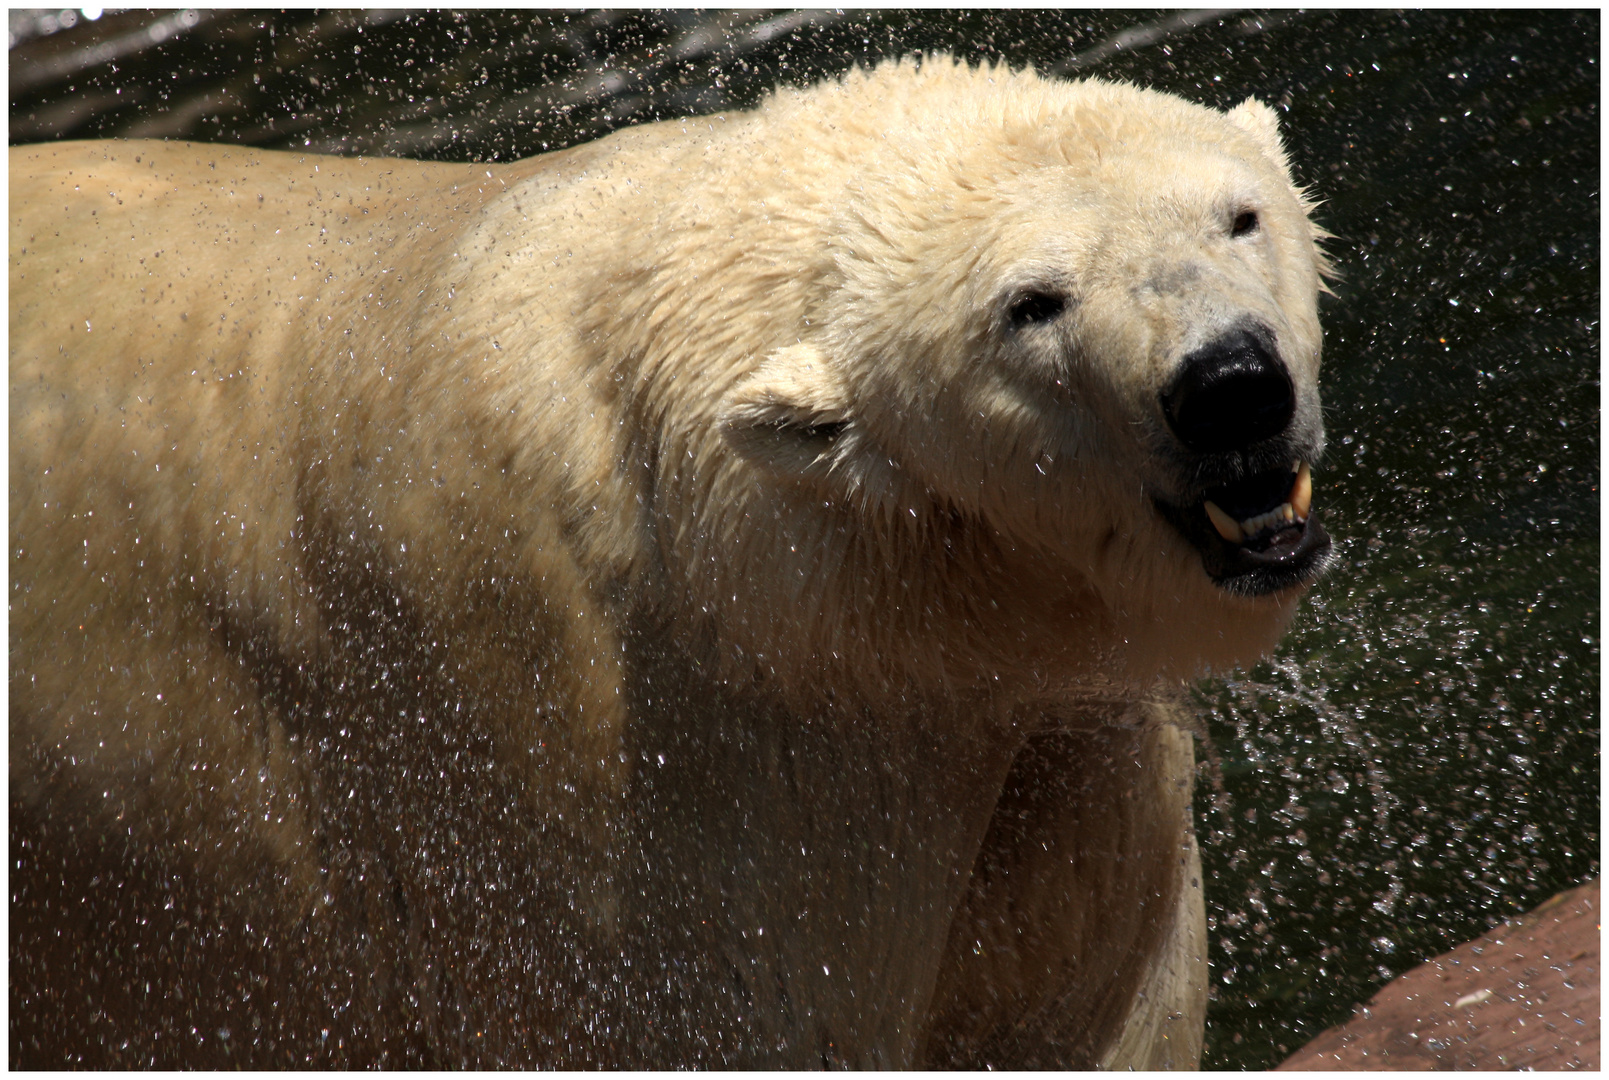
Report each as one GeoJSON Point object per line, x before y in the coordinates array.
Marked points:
{"type": "Point", "coordinates": [1279, 542]}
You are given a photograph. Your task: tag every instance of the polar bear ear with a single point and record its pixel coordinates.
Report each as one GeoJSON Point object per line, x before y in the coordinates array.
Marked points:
{"type": "Point", "coordinates": [1262, 123]}
{"type": "Point", "coordinates": [789, 415]}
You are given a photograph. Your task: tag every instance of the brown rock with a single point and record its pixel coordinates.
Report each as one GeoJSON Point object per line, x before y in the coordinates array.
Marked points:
{"type": "Point", "coordinates": [1525, 995]}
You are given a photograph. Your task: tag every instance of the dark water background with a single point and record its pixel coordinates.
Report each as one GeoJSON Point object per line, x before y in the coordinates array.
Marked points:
{"type": "Point", "coordinates": [1421, 757]}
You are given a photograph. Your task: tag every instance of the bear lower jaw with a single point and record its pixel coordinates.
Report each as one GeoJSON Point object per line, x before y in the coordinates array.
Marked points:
{"type": "Point", "coordinates": [1285, 555]}
{"type": "Point", "coordinates": [1292, 557]}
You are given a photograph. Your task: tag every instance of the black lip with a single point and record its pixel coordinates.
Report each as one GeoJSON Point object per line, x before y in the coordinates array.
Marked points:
{"type": "Point", "coordinates": [1266, 564]}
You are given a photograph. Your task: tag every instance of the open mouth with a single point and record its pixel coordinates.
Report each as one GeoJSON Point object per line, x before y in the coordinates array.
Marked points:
{"type": "Point", "coordinates": [1258, 534]}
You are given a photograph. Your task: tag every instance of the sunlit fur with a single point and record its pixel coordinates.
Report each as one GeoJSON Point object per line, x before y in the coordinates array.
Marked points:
{"type": "Point", "coordinates": [343, 488]}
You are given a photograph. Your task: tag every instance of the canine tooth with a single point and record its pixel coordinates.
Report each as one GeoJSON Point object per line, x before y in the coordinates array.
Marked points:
{"type": "Point", "coordinates": [1226, 526]}
{"type": "Point", "coordinates": [1301, 497]}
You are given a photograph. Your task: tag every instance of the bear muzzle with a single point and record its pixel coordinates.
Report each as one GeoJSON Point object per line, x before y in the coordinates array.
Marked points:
{"type": "Point", "coordinates": [1232, 402]}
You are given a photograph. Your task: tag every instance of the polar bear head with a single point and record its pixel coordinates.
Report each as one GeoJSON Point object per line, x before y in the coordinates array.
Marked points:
{"type": "Point", "coordinates": [1084, 315]}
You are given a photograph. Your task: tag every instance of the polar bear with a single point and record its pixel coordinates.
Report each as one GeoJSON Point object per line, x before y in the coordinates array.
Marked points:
{"type": "Point", "coordinates": [711, 596]}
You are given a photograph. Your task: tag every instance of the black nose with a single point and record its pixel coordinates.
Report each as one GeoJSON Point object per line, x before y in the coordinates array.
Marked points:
{"type": "Point", "coordinates": [1229, 395]}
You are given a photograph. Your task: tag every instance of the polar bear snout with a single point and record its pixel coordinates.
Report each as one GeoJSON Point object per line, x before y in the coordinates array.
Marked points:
{"type": "Point", "coordinates": [1232, 403]}
{"type": "Point", "coordinates": [1230, 394]}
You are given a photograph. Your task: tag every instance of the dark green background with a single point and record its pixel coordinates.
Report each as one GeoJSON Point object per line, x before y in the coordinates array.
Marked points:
{"type": "Point", "coordinates": [1420, 758]}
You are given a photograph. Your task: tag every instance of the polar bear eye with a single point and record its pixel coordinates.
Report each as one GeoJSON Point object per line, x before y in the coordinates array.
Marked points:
{"type": "Point", "coordinates": [1245, 223]}
{"type": "Point", "coordinates": [1035, 307]}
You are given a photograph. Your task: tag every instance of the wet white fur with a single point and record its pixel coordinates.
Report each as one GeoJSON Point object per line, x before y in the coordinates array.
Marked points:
{"type": "Point", "coordinates": [557, 411]}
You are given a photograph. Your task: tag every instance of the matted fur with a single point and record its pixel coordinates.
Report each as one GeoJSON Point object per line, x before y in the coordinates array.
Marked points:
{"type": "Point", "coordinates": [645, 604]}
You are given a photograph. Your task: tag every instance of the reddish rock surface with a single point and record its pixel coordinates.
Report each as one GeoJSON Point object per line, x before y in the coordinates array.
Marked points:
{"type": "Point", "coordinates": [1522, 996]}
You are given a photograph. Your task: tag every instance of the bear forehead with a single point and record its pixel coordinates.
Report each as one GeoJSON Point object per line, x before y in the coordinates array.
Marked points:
{"type": "Point", "coordinates": [977, 228]}
{"type": "Point", "coordinates": [1072, 164]}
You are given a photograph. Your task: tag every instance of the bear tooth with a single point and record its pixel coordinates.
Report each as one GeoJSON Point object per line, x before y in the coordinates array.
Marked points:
{"type": "Point", "coordinates": [1226, 525]}
{"type": "Point", "coordinates": [1282, 514]}
{"type": "Point", "coordinates": [1301, 497]}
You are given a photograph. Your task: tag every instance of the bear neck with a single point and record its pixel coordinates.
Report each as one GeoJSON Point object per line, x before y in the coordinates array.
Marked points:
{"type": "Point", "coordinates": [805, 591]}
